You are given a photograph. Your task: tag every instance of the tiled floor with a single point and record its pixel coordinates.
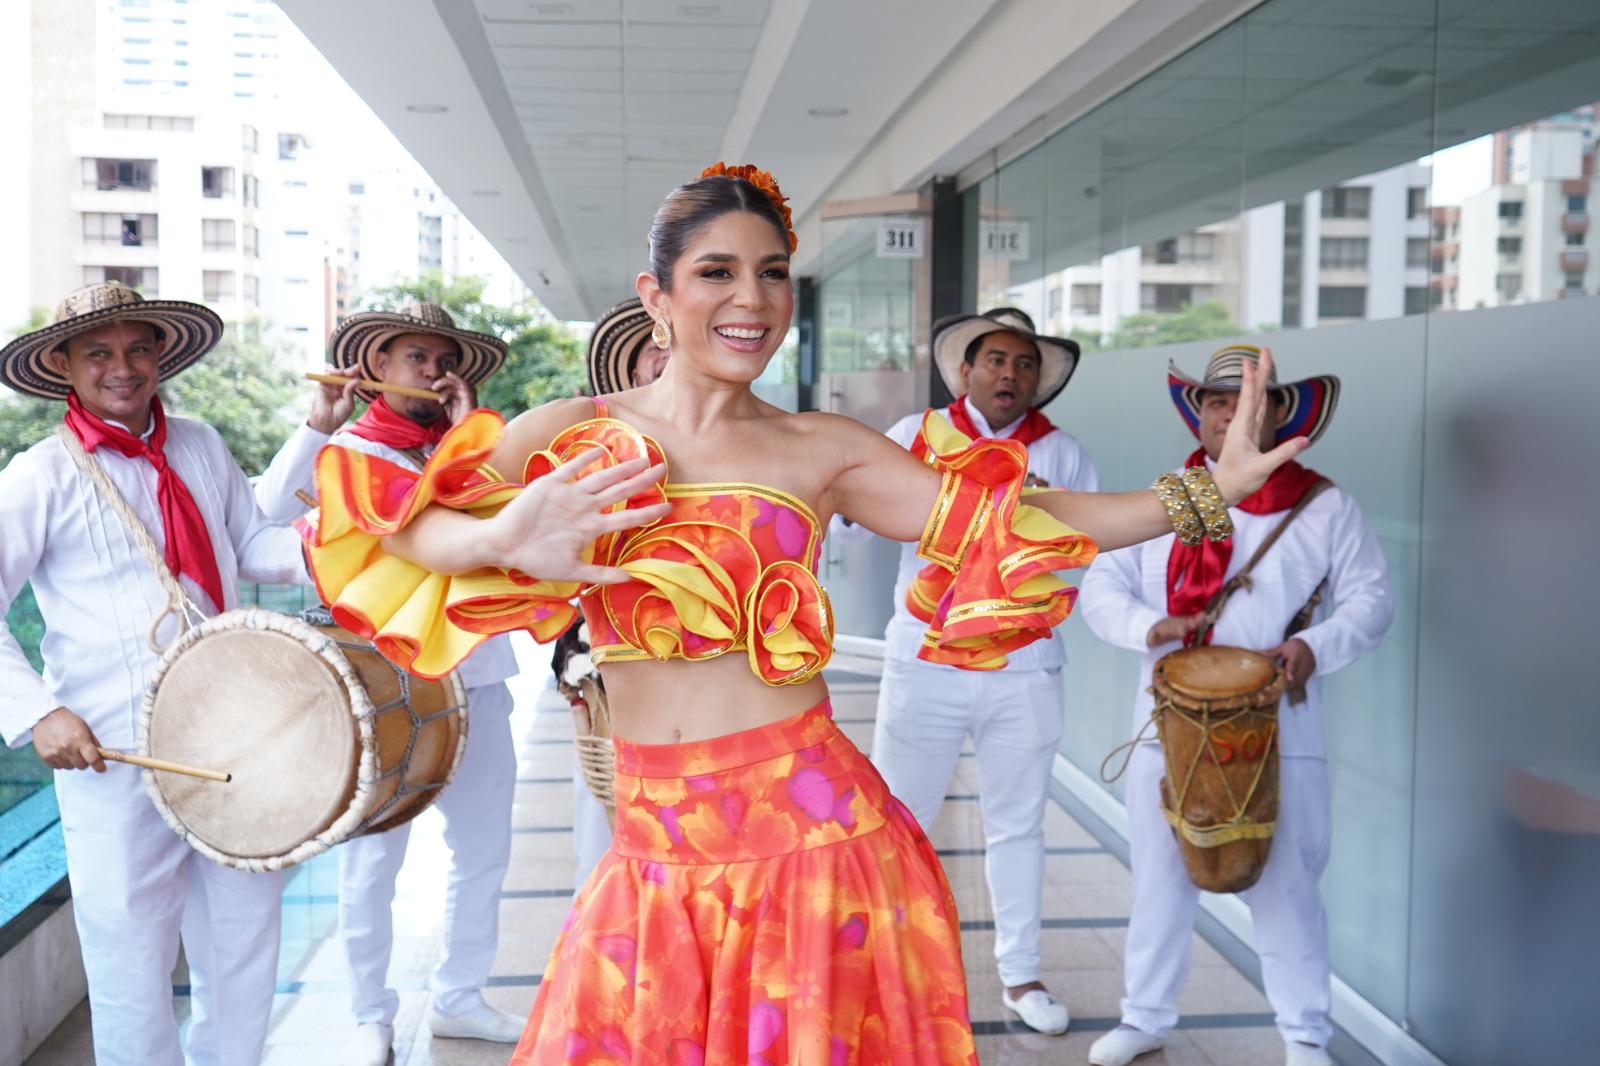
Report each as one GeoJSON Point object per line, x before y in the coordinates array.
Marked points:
{"type": "Point", "coordinates": [1226, 1023]}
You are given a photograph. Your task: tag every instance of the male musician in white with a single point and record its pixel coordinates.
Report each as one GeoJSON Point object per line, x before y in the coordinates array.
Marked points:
{"type": "Point", "coordinates": [1150, 598]}
{"type": "Point", "coordinates": [1003, 371]}
{"type": "Point", "coordinates": [420, 347]}
{"type": "Point", "coordinates": [135, 884]}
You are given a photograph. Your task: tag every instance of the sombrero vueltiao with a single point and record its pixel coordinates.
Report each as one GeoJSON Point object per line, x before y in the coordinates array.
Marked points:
{"type": "Point", "coordinates": [1311, 401]}
{"type": "Point", "coordinates": [1058, 356]}
{"type": "Point", "coordinates": [619, 337]}
{"type": "Point", "coordinates": [189, 330]}
{"type": "Point", "coordinates": [360, 336]}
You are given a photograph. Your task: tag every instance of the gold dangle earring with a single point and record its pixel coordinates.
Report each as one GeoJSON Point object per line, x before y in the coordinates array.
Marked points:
{"type": "Point", "coordinates": [662, 333]}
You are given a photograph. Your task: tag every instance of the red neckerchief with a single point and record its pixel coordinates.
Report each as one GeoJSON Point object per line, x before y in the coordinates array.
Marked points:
{"type": "Point", "coordinates": [1033, 426]}
{"type": "Point", "coordinates": [189, 549]}
{"type": "Point", "coordinates": [382, 424]}
{"type": "Point", "coordinates": [1203, 566]}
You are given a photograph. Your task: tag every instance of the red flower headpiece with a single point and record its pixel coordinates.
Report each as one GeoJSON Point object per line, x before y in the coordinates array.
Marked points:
{"type": "Point", "coordinates": [766, 183]}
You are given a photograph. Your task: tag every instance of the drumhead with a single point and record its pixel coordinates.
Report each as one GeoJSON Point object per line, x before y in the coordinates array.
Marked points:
{"type": "Point", "coordinates": [1218, 673]}
{"type": "Point", "coordinates": [272, 701]}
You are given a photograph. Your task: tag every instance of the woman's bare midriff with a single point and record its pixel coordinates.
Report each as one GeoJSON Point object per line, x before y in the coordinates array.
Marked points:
{"type": "Point", "coordinates": [681, 701]}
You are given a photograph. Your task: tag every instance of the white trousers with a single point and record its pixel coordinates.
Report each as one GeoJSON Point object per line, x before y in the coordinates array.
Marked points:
{"type": "Point", "coordinates": [1286, 904]}
{"type": "Point", "coordinates": [925, 714]}
{"type": "Point", "coordinates": [591, 832]}
{"type": "Point", "coordinates": [136, 888]}
{"type": "Point", "coordinates": [477, 828]}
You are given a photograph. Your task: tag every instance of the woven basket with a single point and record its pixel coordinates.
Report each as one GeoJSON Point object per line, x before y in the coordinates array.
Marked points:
{"type": "Point", "coordinates": [593, 740]}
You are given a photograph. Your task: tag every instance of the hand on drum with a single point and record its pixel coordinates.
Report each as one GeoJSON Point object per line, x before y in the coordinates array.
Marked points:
{"type": "Point", "coordinates": [1177, 627]}
{"type": "Point", "coordinates": [545, 529]}
{"type": "Point", "coordinates": [1299, 661]}
{"type": "Point", "coordinates": [65, 742]}
{"type": "Point", "coordinates": [1243, 467]}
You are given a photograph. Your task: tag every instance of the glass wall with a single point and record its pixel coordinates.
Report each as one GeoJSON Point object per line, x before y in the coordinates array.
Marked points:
{"type": "Point", "coordinates": [1398, 193]}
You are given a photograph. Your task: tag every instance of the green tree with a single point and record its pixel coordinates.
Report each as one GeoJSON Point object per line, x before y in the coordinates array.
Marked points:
{"type": "Point", "coordinates": [546, 361]}
{"type": "Point", "coordinates": [1193, 322]}
{"type": "Point", "coordinates": [241, 389]}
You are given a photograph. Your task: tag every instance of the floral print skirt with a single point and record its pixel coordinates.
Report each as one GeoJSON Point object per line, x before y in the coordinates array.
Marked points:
{"type": "Point", "coordinates": [765, 901]}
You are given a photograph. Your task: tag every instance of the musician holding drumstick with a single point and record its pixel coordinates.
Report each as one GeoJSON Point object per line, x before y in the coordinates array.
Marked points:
{"type": "Point", "coordinates": [1322, 566]}
{"type": "Point", "coordinates": [69, 508]}
{"type": "Point", "coordinates": [419, 373]}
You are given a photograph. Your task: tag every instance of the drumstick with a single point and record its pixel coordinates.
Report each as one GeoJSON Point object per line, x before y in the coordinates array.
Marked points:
{"type": "Point", "coordinates": [162, 764]}
{"type": "Point", "coordinates": [376, 386]}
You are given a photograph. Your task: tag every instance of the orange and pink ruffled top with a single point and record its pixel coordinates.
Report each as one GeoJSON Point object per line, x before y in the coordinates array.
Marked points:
{"type": "Point", "coordinates": [732, 567]}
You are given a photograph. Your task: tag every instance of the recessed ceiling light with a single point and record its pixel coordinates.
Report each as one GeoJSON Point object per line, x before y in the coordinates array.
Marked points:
{"type": "Point", "coordinates": [427, 109]}
{"type": "Point", "coordinates": [828, 112]}
{"type": "Point", "coordinates": [516, 240]}
{"type": "Point", "coordinates": [552, 9]}
{"type": "Point", "coordinates": [485, 192]}
{"type": "Point", "coordinates": [699, 11]}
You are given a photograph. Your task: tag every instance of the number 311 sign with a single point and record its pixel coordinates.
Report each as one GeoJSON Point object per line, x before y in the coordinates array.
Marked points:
{"type": "Point", "coordinates": [900, 237]}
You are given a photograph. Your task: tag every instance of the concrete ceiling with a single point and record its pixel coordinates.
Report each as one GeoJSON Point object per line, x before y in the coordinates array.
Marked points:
{"type": "Point", "coordinates": [568, 120]}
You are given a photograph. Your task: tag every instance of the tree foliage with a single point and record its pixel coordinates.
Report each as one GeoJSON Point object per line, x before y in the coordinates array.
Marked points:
{"type": "Point", "coordinates": [242, 390]}
{"type": "Point", "coordinates": [546, 361]}
{"type": "Point", "coordinates": [1193, 322]}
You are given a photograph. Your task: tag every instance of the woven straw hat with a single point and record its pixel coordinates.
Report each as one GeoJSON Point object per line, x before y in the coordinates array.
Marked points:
{"type": "Point", "coordinates": [189, 330]}
{"type": "Point", "coordinates": [1058, 356]}
{"type": "Point", "coordinates": [363, 334]}
{"type": "Point", "coordinates": [619, 337]}
{"type": "Point", "coordinates": [1310, 401]}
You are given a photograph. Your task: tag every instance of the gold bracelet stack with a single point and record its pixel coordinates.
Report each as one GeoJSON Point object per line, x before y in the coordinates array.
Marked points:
{"type": "Point", "coordinates": [1185, 520]}
{"type": "Point", "coordinates": [1208, 503]}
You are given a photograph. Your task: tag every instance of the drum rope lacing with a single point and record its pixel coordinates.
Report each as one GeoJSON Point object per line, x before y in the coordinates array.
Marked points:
{"type": "Point", "coordinates": [402, 769]}
{"type": "Point", "coordinates": [179, 605]}
{"type": "Point", "coordinates": [1237, 827]}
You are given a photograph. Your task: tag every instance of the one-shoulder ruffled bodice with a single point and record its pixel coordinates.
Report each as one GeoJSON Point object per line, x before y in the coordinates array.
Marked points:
{"type": "Point", "coordinates": [731, 568]}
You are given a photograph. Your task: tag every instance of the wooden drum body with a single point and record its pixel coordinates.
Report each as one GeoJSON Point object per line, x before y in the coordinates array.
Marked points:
{"type": "Point", "coordinates": [325, 738]}
{"type": "Point", "coordinates": [1217, 716]}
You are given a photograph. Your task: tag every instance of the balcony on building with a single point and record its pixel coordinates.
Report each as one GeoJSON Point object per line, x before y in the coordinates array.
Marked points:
{"type": "Point", "coordinates": [1574, 221]}
{"type": "Point", "coordinates": [1574, 259]}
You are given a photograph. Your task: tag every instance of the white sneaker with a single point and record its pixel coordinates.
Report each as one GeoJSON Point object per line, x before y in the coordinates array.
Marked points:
{"type": "Point", "coordinates": [482, 1022]}
{"type": "Point", "coordinates": [1297, 1054]}
{"type": "Point", "coordinates": [1039, 1011]}
{"type": "Point", "coordinates": [373, 1045]}
{"type": "Point", "coordinates": [1122, 1045]}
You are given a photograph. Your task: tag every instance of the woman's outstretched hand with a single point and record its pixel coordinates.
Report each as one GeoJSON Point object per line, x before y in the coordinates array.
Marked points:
{"type": "Point", "coordinates": [1243, 467]}
{"type": "Point", "coordinates": [545, 529]}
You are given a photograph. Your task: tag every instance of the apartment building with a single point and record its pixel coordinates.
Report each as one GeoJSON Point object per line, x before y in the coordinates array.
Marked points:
{"type": "Point", "coordinates": [1526, 239]}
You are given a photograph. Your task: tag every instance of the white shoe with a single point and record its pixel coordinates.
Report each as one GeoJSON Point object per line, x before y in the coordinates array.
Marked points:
{"type": "Point", "coordinates": [1039, 1011]}
{"type": "Point", "coordinates": [373, 1045]}
{"type": "Point", "coordinates": [482, 1022]}
{"type": "Point", "coordinates": [1122, 1045]}
{"type": "Point", "coordinates": [1297, 1054]}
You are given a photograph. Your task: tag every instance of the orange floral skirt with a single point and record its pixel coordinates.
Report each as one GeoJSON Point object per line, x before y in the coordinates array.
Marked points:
{"type": "Point", "coordinates": [765, 901]}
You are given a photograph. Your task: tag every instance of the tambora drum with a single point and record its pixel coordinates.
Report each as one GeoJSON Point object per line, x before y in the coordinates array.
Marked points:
{"type": "Point", "coordinates": [325, 738]}
{"type": "Point", "coordinates": [1217, 716]}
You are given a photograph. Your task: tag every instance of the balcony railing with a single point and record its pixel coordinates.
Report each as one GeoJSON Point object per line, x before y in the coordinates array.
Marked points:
{"type": "Point", "coordinates": [1574, 221]}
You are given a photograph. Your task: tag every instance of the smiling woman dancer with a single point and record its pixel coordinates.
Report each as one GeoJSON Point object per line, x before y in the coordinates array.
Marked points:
{"type": "Point", "coordinates": [765, 899]}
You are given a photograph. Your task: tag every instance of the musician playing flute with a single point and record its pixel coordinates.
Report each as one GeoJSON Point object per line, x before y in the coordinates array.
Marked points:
{"type": "Point", "coordinates": [1327, 569]}
{"type": "Point", "coordinates": [421, 347]}
{"type": "Point", "coordinates": [136, 884]}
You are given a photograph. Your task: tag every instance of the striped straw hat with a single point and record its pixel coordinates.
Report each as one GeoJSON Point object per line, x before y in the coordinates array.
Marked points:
{"type": "Point", "coordinates": [620, 335]}
{"type": "Point", "coordinates": [188, 330]}
{"type": "Point", "coordinates": [360, 337]}
{"type": "Point", "coordinates": [1311, 401]}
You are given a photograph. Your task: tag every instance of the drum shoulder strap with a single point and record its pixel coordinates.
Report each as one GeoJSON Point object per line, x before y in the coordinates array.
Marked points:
{"type": "Point", "coordinates": [178, 602]}
{"type": "Point", "coordinates": [1241, 580]}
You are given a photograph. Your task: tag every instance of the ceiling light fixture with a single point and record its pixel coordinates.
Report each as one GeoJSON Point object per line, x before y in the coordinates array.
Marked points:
{"type": "Point", "coordinates": [699, 11]}
{"type": "Point", "coordinates": [829, 112]}
{"type": "Point", "coordinates": [485, 192]}
{"type": "Point", "coordinates": [427, 109]}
